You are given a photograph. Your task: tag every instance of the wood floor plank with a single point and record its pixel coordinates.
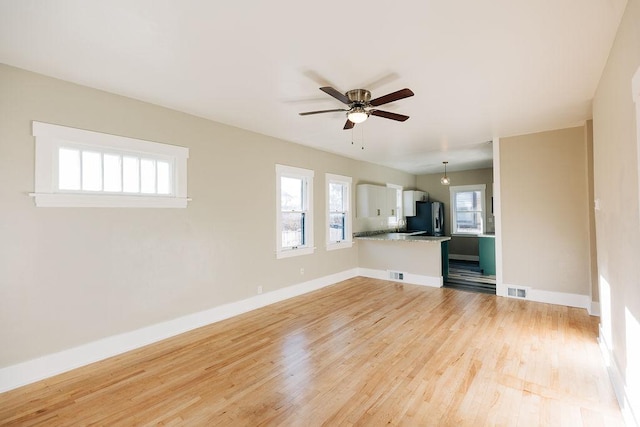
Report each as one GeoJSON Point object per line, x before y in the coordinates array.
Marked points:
{"type": "Point", "coordinates": [361, 352]}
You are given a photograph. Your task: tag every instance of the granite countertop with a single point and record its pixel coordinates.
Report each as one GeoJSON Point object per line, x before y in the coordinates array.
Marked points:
{"type": "Point", "coordinates": [492, 235]}
{"type": "Point", "coordinates": [405, 237]}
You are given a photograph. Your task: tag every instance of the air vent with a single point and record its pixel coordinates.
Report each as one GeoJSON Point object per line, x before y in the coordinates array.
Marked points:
{"type": "Point", "coordinates": [517, 292]}
{"type": "Point", "coordinates": [396, 275]}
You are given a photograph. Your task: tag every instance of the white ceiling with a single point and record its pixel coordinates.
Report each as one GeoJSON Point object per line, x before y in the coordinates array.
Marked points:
{"type": "Point", "coordinates": [479, 69]}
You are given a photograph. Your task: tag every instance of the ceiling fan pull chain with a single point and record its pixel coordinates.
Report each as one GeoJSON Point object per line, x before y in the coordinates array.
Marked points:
{"type": "Point", "coordinates": [362, 137]}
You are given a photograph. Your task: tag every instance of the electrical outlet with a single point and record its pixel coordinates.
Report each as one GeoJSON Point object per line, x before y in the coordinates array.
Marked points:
{"type": "Point", "coordinates": [259, 289]}
{"type": "Point", "coordinates": [302, 271]}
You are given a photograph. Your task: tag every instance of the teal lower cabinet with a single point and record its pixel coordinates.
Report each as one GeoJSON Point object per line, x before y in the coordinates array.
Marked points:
{"type": "Point", "coordinates": [444, 250]}
{"type": "Point", "coordinates": [487, 254]}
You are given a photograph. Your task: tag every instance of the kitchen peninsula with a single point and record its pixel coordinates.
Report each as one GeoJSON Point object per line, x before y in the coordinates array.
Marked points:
{"type": "Point", "coordinates": [405, 257]}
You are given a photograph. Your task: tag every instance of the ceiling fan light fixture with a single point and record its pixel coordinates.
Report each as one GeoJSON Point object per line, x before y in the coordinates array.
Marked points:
{"type": "Point", "coordinates": [357, 115]}
{"type": "Point", "coordinates": [445, 179]}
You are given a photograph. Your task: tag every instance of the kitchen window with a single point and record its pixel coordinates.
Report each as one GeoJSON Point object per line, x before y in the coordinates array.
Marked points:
{"type": "Point", "coordinates": [338, 190]}
{"type": "Point", "coordinates": [294, 215]}
{"type": "Point", "coordinates": [395, 220]}
{"type": "Point", "coordinates": [79, 168]}
{"type": "Point", "coordinates": [467, 209]}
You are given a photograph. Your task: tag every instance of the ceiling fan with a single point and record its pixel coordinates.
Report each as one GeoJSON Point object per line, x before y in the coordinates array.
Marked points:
{"type": "Point", "coordinates": [361, 105]}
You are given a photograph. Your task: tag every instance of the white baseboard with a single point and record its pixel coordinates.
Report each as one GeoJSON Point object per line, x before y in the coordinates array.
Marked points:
{"type": "Point", "coordinates": [414, 279]}
{"type": "Point", "coordinates": [617, 380]}
{"type": "Point", "coordinates": [560, 298]}
{"type": "Point", "coordinates": [49, 365]}
{"type": "Point", "coordinates": [464, 257]}
{"type": "Point", "coordinates": [594, 309]}
{"type": "Point", "coordinates": [550, 297]}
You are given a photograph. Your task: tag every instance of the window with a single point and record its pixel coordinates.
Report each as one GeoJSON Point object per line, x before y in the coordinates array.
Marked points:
{"type": "Point", "coordinates": [394, 220]}
{"type": "Point", "coordinates": [338, 211]}
{"type": "Point", "coordinates": [84, 170]}
{"type": "Point", "coordinates": [294, 223]}
{"type": "Point", "coordinates": [467, 209]}
{"type": "Point", "coordinates": [79, 168]}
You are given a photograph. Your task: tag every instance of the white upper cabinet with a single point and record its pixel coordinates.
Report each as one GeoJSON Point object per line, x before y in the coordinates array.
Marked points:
{"type": "Point", "coordinates": [391, 205]}
{"type": "Point", "coordinates": [409, 201]}
{"type": "Point", "coordinates": [375, 201]}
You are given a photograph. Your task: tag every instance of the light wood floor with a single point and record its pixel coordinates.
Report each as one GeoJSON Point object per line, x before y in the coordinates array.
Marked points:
{"type": "Point", "coordinates": [362, 352]}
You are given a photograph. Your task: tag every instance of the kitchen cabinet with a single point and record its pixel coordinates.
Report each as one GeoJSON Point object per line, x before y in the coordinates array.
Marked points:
{"type": "Point", "coordinates": [375, 201]}
{"type": "Point", "coordinates": [487, 254]}
{"type": "Point", "coordinates": [444, 251]}
{"type": "Point", "coordinates": [367, 204]}
{"type": "Point", "coordinates": [391, 199]}
{"type": "Point", "coordinates": [409, 199]}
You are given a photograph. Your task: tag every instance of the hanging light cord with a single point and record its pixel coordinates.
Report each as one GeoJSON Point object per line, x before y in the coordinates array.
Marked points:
{"type": "Point", "coordinates": [445, 180]}
{"type": "Point", "coordinates": [361, 136]}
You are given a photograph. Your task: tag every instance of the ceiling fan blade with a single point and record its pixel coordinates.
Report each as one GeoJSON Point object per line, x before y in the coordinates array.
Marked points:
{"type": "Point", "coordinates": [393, 96]}
{"type": "Point", "coordinates": [389, 115]}
{"type": "Point", "coordinates": [321, 111]}
{"type": "Point", "coordinates": [337, 95]}
{"type": "Point", "coordinates": [348, 125]}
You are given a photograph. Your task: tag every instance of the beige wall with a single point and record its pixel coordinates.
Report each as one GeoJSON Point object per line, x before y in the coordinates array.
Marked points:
{"type": "Point", "coordinates": [545, 211]}
{"type": "Point", "coordinates": [69, 276]}
{"type": "Point", "coordinates": [615, 141]}
{"type": "Point", "coordinates": [467, 246]}
{"type": "Point", "coordinates": [593, 252]}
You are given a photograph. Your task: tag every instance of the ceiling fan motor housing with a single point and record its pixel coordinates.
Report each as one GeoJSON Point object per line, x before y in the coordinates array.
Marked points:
{"type": "Point", "coordinates": [360, 96]}
{"type": "Point", "coordinates": [359, 101]}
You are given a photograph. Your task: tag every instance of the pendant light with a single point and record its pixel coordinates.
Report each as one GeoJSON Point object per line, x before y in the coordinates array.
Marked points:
{"type": "Point", "coordinates": [445, 179]}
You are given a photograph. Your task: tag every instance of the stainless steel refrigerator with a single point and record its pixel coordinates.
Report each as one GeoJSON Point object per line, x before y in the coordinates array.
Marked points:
{"type": "Point", "coordinates": [429, 217]}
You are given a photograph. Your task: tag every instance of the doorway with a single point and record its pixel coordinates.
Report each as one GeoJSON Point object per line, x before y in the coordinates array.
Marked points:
{"type": "Point", "coordinates": [467, 276]}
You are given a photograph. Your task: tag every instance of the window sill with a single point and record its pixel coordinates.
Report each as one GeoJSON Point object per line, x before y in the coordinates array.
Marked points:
{"type": "Point", "coordinates": [288, 253]}
{"type": "Point", "coordinates": [340, 245]}
{"type": "Point", "coordinates": [465, 234]}
{"type": "Point", "coordinates": [55, 200]}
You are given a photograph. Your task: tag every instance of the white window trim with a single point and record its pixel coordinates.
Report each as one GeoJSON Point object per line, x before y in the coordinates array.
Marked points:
{"type": "Point", "coordinates": [48, 139]}
{"type": "Point", "coordinates": [308, 248]}
{"type": "Point", "coordinates": [459, 188]}
{"type": "Point", "coordinates": [348, 240]}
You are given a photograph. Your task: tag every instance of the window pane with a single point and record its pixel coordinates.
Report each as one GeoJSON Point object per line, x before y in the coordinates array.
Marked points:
{"type": "Point", "coordinates": [291, 193]}
{"type": "Point", "coordinates": [91, 171]}
{"type": "Point", "coordinates": [292, 229]}
{"type": "Point", "coordinates": [164, 180]}
{"type": "Point", "coordinates": [468, 201]}
{"type": "Point", "coordinates": [131, 174]}
{"type": "Point", "coordinates": [112, 172]}
{"type": "Point", "coordinates": [68, 169]}
{"type": "Point", "coordinates": [336, 197]}
{"type": "Point", "coordinates": [468, 222]}
{"type": "Point", "coordinates": [147, 176]}
{"type": "Point", "coordinates": [336, 227]}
